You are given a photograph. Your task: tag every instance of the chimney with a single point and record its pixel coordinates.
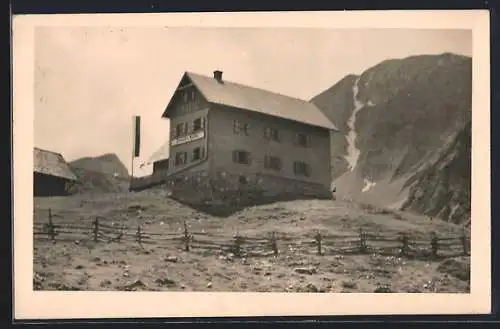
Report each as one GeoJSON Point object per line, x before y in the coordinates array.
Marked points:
{"type": "Point", "coordinates": [218, 76]}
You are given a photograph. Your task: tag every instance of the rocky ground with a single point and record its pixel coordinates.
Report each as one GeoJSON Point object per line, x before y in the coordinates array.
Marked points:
{"type": "Point", "coordinates": [80, 264]}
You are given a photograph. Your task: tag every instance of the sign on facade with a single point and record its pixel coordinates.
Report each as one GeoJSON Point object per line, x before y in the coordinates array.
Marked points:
{"type": "Point", "coordinates": [188, 138]}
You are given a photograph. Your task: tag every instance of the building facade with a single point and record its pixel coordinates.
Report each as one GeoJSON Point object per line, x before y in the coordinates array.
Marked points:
{"type": "Point", "coordinates": [229, 140]}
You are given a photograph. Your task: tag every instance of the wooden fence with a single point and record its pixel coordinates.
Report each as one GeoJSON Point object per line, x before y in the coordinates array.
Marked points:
{"type": "Point", "coordinates": [57, 229]}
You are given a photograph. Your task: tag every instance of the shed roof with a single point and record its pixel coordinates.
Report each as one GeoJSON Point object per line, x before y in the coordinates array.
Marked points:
{"type": "Point", "coordinates": [51, 163]}
{"type": "Point", "coordinates": [258, 100]}
{"type": "Point", "coordinates": [160, 154]}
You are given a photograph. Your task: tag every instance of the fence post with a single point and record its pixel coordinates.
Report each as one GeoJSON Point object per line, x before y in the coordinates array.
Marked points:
{"type": "Point", "coordinates": [237, 245]}
{"type": "Point", "coordinates": [274, 244]}
{"type": "Point", "coordinates": [434, 244]}
{"type": "Point", "coordinates": [52, 229]}
{"type": "Point", "coordinates": [318, 241]}
{"type": "Point", "coordinates": [120, 232]}
{"type": "Point", "coordinates": [139, 235]}
{"type": "Point", "coordinates": [405, 244]}
{"type": "Point", "coordinates": [362, 241]}
{"type": "Point", "coordinates": [463, 238]}
{"type": "Point", "coordinates": [186, 237]}
{"type": "Point", "coordinates": [96, 229]}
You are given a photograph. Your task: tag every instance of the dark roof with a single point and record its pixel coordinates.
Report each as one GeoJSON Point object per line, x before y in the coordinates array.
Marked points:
{"type": "Point", "coordinates": [259, 100]}
{"type": "Point", "coordinates": [51, 163]}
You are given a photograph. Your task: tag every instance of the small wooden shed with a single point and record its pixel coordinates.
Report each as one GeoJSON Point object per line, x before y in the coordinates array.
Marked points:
{"type": "Point", "coordinates": [51, 174]}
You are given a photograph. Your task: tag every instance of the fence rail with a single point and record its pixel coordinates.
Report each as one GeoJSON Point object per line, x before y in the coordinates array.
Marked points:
{"type": "Point", "coordinates": [403, 244]}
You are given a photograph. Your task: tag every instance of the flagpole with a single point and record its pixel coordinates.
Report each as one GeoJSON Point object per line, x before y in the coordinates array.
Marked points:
{"type": "Point", "coordinates": [131, 172]}
{"type": "Point", "coordinates": [132, 154]}
{"type": "Point", "coordinates": [136, 146]}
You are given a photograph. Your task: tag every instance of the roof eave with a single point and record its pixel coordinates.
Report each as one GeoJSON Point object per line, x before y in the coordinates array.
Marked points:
{"type": "Point", "coordinates": [165, 111]}
{"type": "Point", "coordinates": [165, 114]}
{"type": "Point", "coordinates": [186, 74]}
{"type": "Point", "coordinates": [333, 128]}
{"type": "Point", "coordinates": [74, 179]}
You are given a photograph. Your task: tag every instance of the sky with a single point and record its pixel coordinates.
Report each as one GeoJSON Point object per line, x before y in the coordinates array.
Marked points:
{"type": "Point", "coordinates": [90, 81]}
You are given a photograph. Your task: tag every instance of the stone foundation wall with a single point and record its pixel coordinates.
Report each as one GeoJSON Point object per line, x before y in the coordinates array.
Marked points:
{"type": "Point", "coordinates": [200, 188]}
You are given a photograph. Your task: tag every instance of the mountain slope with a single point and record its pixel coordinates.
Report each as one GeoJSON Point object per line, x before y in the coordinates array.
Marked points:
{"type": "Point", "coordinates": [443, 188]}
{"type": "Point", "coordinates": [102, 174]}
{"type": "Point", "coordinates": [395, 119]}
{"type": "Point", "coordinates": [337, 104]}
{"type": "Point", "coordinates": [108, 164]}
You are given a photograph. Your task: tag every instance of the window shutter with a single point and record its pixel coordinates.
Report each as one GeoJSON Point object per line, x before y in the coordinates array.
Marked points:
{"type": "Point", "coordinates": [249, 156]}
{"type": "Point", "coordinates": [203, 123]}
{"type": "Point", "coordinates": [266, 162]}
{"type": "Point", "coordinates": [308, 140]}
{"type": "Point", "coordinates": [235, 156]}
{"type": "Point", "coordinates": [203, 153]}
{"type": "Point", "coordinates": [308, 170]}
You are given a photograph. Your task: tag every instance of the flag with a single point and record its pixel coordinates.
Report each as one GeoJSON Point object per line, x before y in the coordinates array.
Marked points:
{"type": "Point", "coordinates": [137, 135]}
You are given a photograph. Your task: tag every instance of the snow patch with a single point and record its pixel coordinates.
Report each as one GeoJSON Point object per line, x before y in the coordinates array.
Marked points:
{"type": "Point", "coordinates": [396, 205]}
{"type": "Point", "coordinates": [453, 210]}
{"type": "Point", "coordinates": [368, 185]}
{"type": "Point", "coordinates": [352, 151]}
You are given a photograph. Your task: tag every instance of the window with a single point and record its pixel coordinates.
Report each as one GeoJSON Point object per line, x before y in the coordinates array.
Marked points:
{"type": "Point", "coordinates": [180, 158]}
{"type": "Point", "coordinates": [242, 179]}
{"type": "Point", "coordinates": [271, 162]}
{"type": "Point", "coordinates": [197, 124]}
{"type": "Point", "coordinates": [196, 154]}
{"type": "Point", "coordinates": [301, 168]}
{"type": "Point", "coordinates": [178, 130]}
{"type": "Point", "coordinates": [242, 157]}
{"type": "Point", "coordinates": [240, 127]}
{"type": "Point", "coordinates": [271, 133]}
{"type": "Point", "coordinates": [181, 129]}
{"type": "Point", "coordinates": [302, 140]}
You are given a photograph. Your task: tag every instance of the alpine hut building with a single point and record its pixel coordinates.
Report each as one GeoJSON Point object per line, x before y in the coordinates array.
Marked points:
{"type": "Point", "coordinates": [228, 140]}
{"type": "Point", "coordinates": [51, 174]}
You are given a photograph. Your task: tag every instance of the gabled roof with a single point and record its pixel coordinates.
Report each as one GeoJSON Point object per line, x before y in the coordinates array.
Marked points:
{"type": "Point", "coordinates": [258, 100]}
{"type": "Point", "coordinates": [51, 163]}
{"type": "Point", "coordinates": [161, 154]}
